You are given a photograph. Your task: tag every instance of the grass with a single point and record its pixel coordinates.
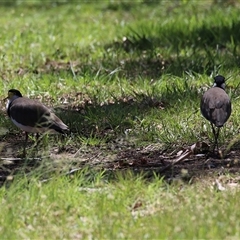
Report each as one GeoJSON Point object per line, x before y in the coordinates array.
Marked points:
{"type": "Point", "coordinates": [129, 207]}
{"type": "Point", "coordinates": [125, 77]}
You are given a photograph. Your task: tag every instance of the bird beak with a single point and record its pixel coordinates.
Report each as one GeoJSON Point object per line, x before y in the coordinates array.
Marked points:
{"type": "Point", "coordinates": [8, 97]}
{"type": "Point", "coordinates": [5, 99]}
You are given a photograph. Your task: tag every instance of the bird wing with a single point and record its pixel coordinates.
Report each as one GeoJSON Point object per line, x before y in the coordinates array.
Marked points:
{"type": "Point", "coordinates": [216, 106]}
{"type": "Point", "coordinates": [27, 112]}
{"type": "Point", "coordinates": [57, 124]}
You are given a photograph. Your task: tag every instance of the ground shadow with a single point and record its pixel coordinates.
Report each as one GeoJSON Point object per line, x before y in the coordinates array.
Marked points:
{"type": "Point", "coordinates": [207, 49]}
{"type": "Point", "coordinates": [150, 162]}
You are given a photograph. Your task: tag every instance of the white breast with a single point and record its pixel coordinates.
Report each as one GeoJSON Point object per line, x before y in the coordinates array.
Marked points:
{"type": "Point", "coordinates": [7, 104]}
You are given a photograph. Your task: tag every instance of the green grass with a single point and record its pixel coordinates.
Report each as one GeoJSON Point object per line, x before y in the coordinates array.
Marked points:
{"type": "Point", "coordinates": [122, 75]}
{"type": "Point", "coordinates": [128, 208]}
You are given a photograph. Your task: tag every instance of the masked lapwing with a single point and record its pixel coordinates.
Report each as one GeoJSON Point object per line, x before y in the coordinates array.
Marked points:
{"type": "Point", "coordinates": [32, 116]}
{"type": "Point", "coordinates": [216, 106]}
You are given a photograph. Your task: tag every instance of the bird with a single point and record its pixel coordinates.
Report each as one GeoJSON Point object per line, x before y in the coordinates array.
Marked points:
{"type": "Point", "coordinates": [216, 106]}
{"type": "Point", "coordinates": [32, 116]}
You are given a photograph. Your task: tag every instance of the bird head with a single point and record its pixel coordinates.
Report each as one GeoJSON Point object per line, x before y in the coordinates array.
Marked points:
{"type": "Point", "coordinates": [219, 81]}
{"type": "Point", "coordinates": [13, 94]}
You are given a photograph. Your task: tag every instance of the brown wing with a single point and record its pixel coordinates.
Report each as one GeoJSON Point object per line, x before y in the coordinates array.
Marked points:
{"type": "Point", "coordinates": [32, 113]}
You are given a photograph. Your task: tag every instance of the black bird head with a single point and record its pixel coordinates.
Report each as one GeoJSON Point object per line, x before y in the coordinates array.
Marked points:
{"type": "Point", "coordinates": [219, 81]}
{"type": "Point", "coordinates": [14, 92]}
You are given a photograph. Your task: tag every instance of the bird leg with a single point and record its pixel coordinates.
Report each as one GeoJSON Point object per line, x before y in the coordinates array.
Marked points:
{"type": "Point", "coordinates": [37, 138]}
{"type": "Point", "coordinates": [216, 138]}
{"type": "Point", "coordinates": [25, 144]}
{"type": "Point", "coordinates": [216, 134]}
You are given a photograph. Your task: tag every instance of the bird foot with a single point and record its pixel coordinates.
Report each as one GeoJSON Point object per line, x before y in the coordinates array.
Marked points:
{"type": "Point", "coordinates": [216, 154]}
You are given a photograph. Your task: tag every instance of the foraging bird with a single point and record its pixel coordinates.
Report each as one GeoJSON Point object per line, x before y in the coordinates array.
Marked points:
{"type": "Point", "coordinates": [216, 106]}
{"type": "Point", "coordinates": [32, 116]}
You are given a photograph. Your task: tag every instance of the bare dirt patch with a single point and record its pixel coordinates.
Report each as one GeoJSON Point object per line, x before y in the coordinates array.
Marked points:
{"type": "Point", "coordinates": [150, 160]}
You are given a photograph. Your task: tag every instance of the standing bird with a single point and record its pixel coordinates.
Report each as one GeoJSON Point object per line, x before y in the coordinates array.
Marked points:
{"type": "Point", "coordinates": [32, 116]}
{"type": "Point", "coordinates": [216, 106]}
